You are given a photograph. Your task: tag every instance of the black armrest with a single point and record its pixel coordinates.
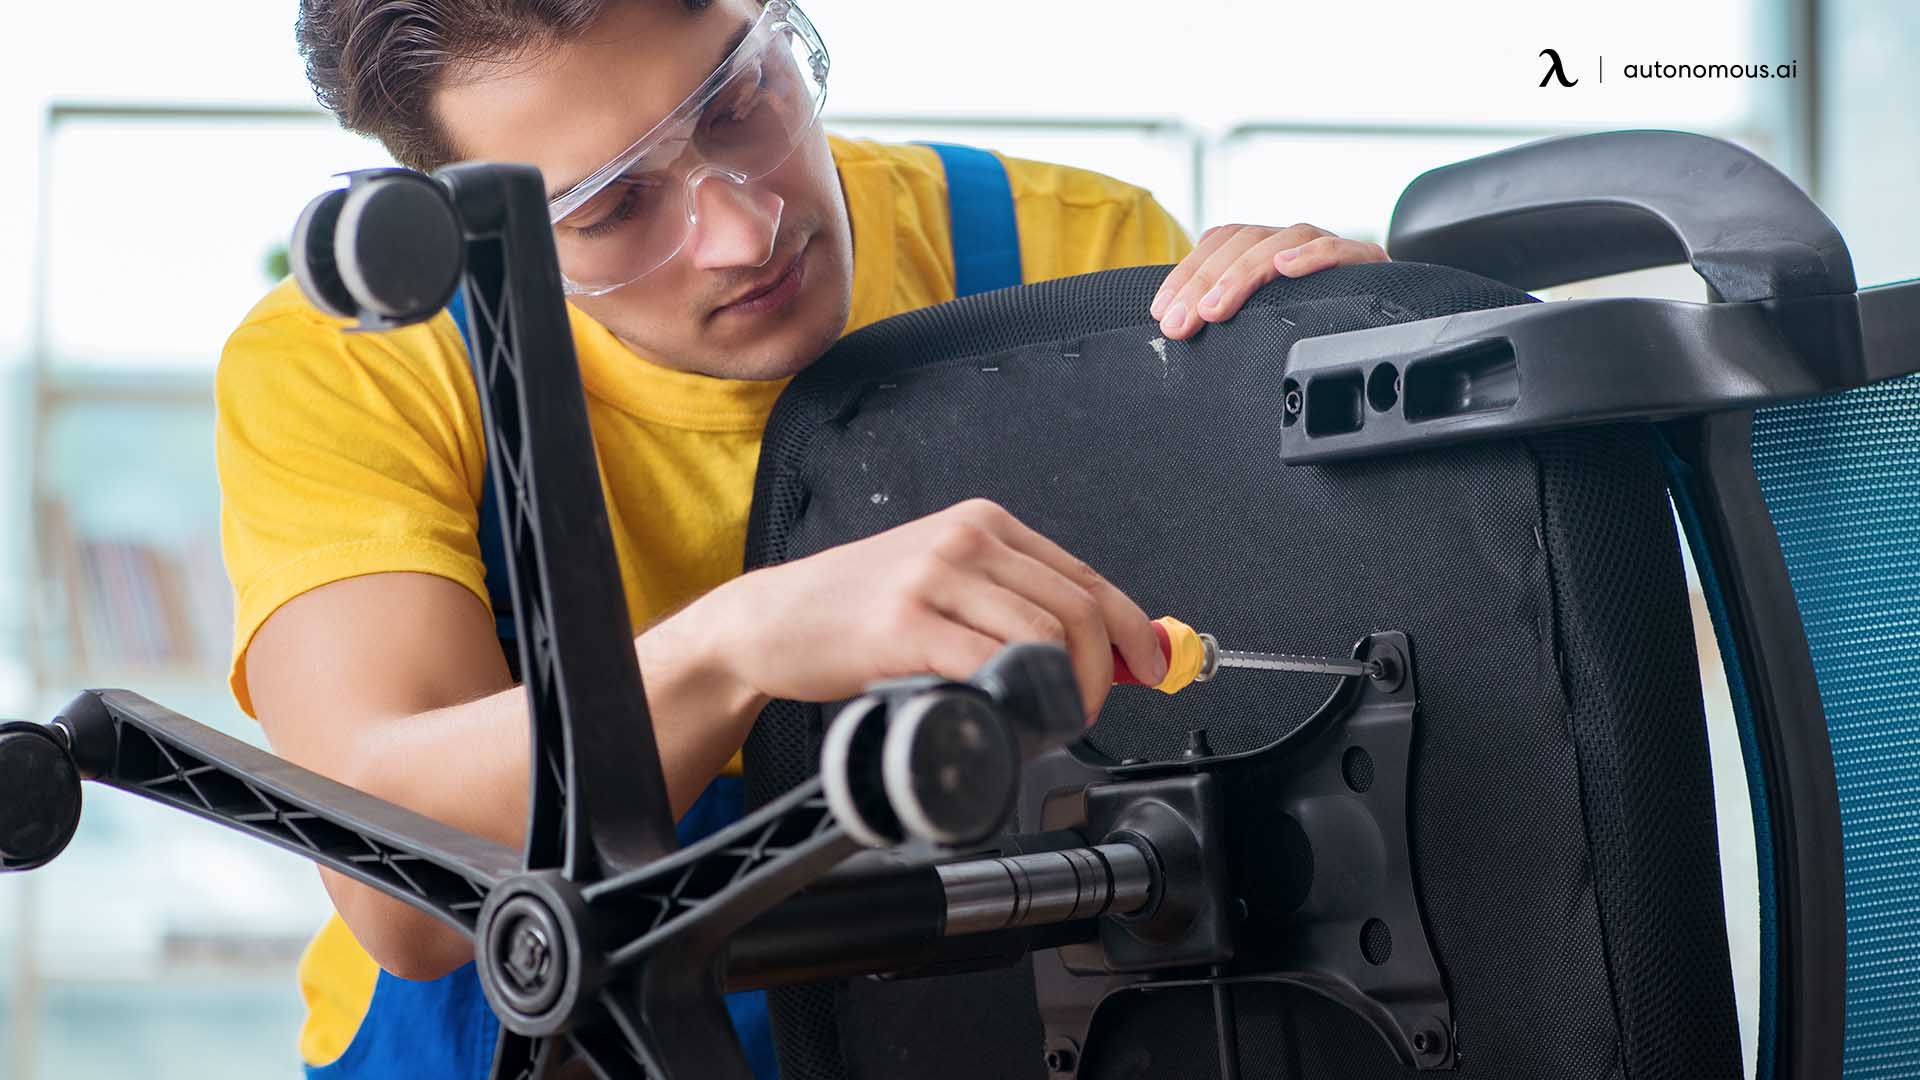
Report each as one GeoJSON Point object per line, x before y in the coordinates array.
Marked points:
{"type": "Point", "coordinates": [1580, 206]}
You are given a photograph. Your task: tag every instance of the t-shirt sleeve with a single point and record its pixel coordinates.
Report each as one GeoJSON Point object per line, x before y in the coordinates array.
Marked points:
{"type": "Point", "coordinates": [1075, 221]}
{"type": "Point", "coordinates": [341, 455]}
{"type": "Point", "coordinates": [1147, 235]}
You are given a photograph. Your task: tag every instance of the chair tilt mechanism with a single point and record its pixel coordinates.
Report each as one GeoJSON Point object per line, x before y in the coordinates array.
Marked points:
{"type": "Point", "coordinates": [1492, 853]}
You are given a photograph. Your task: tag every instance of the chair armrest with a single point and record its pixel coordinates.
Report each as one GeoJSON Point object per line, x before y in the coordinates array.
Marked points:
{"type": "Point", "coordinates": [1575, 207]}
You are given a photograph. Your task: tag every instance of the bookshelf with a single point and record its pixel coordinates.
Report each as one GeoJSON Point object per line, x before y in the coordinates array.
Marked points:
{"type": "Point", "coordinates": [134, 600]}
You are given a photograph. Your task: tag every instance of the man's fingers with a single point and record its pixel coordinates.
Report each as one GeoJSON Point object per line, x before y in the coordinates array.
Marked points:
{"type": "Point", "coordinates": [1096, 616]}
{"type": "Point", "coordinates": [1185, 314]}
{"type": "Point", "coordinates": [1081, 622]}
{"type": "Point", "coordinates": [1177, 279]}
{"type": "Point", "coordinates": [1123, 625]}
{"type": "Point", "coordinates": [1319, 254]}
{"type": "Point", "coordinates": [1189, 280]}
{"type": "Point", "coordinates": [996, 586]}
{"type": "Point", "coordinates": [1252, 270]}
{"type": "Point", "coordinates": [1002, 613]}
{"type": "Point", "coordinates": [1007, 596]}
{"type": "Point", "coordinates": [1231, 261]}
{"type": "Point", "coordinates": [953, 650]}
{"type": "Point", "coordinates": [1182, 316]}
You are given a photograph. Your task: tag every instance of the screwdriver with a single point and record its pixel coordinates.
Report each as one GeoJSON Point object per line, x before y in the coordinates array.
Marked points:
{"type": "Point", "coordinates": [1194, 657]}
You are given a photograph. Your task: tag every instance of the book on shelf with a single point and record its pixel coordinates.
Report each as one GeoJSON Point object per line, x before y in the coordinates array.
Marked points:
{"type": "Point", "coordinates": [131, 603]}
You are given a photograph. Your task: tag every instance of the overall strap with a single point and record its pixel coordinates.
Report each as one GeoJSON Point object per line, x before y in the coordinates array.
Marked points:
{"type": "Point", "coordinates": [986, 237]}
{"type": "Point", "coordinates": [493, 545]}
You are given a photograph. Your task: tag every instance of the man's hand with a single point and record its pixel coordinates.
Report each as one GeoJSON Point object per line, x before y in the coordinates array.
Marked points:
{"type": "Point", "coordinates": [941, 594]}
{"type": "Point", "coordinates": [1232, 261]}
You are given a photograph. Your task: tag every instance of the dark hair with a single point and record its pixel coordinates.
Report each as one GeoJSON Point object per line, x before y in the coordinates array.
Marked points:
{"type": "Point", "coordinates": [376, 63]}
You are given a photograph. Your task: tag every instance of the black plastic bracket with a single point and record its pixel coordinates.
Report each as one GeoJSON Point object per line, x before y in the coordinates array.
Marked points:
{"type": "Point", "coordinates": [1509, 371]}
{"type": "Point", "coordinates": [1302, 855]}
{"type": "Point", "coordinates": [1512, 371]}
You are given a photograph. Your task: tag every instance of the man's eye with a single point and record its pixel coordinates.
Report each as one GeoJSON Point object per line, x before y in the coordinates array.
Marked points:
{"type": "Point", "coordinates": [620, 202]}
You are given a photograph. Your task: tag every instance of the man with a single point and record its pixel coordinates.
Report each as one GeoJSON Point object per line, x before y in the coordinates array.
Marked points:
{"type": "Point", "coordinates": [715, 242]}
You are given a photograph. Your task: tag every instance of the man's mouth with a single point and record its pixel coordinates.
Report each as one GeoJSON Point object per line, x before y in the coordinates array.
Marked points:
{"type": "Point", "coordinates": [773, 294]}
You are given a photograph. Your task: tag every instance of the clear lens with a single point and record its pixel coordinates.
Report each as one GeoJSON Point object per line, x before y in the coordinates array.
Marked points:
{"type": "Point", "coordinates": [743, 129]}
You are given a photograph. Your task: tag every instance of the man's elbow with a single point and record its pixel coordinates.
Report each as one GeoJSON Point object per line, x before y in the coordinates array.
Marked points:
{"type": "Point", "coordinates": [406, 942]}
{"type": "Point", "coordinates": [424, 961]}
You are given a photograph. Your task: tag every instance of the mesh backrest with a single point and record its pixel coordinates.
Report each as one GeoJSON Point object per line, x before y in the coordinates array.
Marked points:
{"type": "Point", "coordinates": [1841, 478]}
{"type": "Point", "coordinates": [1562, 813]}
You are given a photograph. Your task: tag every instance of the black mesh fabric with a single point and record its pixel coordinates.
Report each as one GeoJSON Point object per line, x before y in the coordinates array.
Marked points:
{"type": "Point", "coordinates": [1562, 815]}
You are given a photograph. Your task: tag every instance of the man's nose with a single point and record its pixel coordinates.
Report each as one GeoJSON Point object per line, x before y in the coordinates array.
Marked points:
{"type": "Point", "coordinates": [737, 226]}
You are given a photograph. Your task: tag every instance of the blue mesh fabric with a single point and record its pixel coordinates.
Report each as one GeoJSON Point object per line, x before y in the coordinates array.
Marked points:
{"type": "Point", "coordinates": [1841, 477]}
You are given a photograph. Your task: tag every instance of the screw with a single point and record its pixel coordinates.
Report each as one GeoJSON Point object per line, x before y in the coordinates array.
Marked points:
{"type": "Point", "coordinates": [1430, 1041]}
{"type": "Point", "coordinates": [529, 956]}
{"type": "Point", "coordinates": [1060, 1060]}
{"type": "Point", "coordinates": [1292, 402]}
{"type": "Point", "coordinates": [1389, 669]}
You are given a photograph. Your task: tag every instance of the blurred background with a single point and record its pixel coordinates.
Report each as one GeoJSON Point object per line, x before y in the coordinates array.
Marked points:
{"type": "Point", "coordinates": [157, 154]}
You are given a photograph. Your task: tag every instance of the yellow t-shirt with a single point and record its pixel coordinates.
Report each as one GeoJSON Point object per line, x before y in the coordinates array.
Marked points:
{"type": "Point", "coordinates": [350, 454]}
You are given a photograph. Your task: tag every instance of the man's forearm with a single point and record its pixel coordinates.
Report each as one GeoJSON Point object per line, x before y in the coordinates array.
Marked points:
{"type": "Point", "coordinates": [467, 765]}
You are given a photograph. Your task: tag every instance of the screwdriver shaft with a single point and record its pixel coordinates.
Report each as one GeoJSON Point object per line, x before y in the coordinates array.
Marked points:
{"type": "Point", "coordinates": [1312, 665]}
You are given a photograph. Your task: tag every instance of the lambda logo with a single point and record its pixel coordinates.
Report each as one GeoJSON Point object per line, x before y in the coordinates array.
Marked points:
{"type": "Point", "coordinates": [1555, 70]}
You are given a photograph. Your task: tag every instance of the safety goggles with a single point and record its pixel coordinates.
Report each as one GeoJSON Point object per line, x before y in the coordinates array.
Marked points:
{"type": "Point", "coordinates": [636, 212]}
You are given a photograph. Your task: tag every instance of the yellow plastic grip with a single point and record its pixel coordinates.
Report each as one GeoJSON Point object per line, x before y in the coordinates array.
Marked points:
{"type": "Point", "coordinates": [1185, 655]}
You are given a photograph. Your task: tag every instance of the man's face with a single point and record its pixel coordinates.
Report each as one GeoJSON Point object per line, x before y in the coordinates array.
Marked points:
{"type": "Point", "coordinates": [722, 306]}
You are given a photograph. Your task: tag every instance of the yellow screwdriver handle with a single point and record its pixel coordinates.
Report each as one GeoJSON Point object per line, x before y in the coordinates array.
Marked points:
{"type": "Point", "coordinates": [1184, 649]}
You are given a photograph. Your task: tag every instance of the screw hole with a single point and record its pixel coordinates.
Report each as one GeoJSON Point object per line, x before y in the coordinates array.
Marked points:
{"type": "Point", "coordinates": [1376, 942]}
{"type": "Point", "coordinates": [1356, 766]}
